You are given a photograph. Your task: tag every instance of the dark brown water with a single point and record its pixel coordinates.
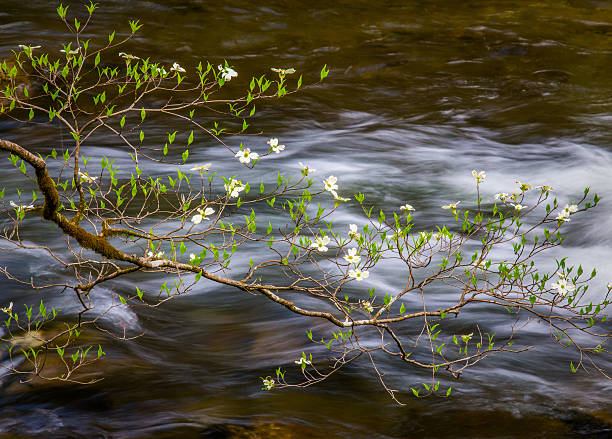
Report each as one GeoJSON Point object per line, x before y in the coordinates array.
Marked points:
{"type": "Point", "coordinates": [419, 94]}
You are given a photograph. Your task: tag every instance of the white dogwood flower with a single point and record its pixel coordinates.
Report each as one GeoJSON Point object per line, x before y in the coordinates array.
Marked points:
{"type": "Point", "coordinates": [407, 208]}
{"type": "Point", "coordinates": [563, 216]}
{"type": "Point", "coordinates": [358, 274]}
{"type": "Point", "coordinates": [479, 176]}
{"type": "Point", "coordinates": [518, 207]}
{"type": "Point", "coordinates": [234, 187]}
{"type": "Point", "coordinates": [268, 383]}
{"type": "Point", "coordinates": [283, 72]}
{"type": "Point", "coordinates": [321, 243]}
{"type": "Point", "coordinates": [338, 197]}
{"type": "Point", "coordinates": [202, 215]}
{"type": "Point", "coordinates": [353, 232]}
{"type": "Point", "coordinates": [86, 178]}
{"type": "Point", "coordinates": [21, 206]}
{"type": "Point", "coordinates": [306, 169]}
{"type": "Point", "coordinates": [563, 286]}
{"type": "Point", "coordinates": [367, 306]}
{"type": "Point", "coordinates": [523, 187]}
{"type": "Point", "coordinates": [29, 50]}
{"type": "Point", "coordinates": [70, 51]}
{"type": "Point", "coordinates": [127, 56]}
{"type": "Point", "coordinates": [177, 68]}
{"type": "Point", "coordinates": [204, 167]}
{"type": "Point", "coordinates": [274, 146]}
{"type": "Point", "coordinates": [570, 208]}
{"type": "Point", "coordinates": [330, 183]}
{"type": "Point", "coordinates": [451, 206]}
{"type": "Point", "coordinates": [352, 257]}
{"type": "Point", "coordinates": [303, 362]}
{"type": "Point", "coordinates": [245, 156]}
{"type": "Point", "coordinates": [227, 73]}
{"type": "Point", "coordinates": [502, 196]}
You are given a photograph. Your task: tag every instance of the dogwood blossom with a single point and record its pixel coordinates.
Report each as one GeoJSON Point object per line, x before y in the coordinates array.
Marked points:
{"type": "Point", "coordinates": [283, 72]}
{"type": "Point", "coordinates": [245, 156]}
{"type": "Point", "coordinates": [274, 146]}
{"type": "Point", "coordinates": [160, 70]}
{"type": "Point", "coordinates": [192, 257]}
{"type": "Point", "coordinates": [563, 216]}
{"type": "Point", "coordinates": [353, 232]}
{"type": "Point", "coordinates": [21, 206]}
{"type": "Point", "coordinates": [7, 309]}
{"type": "Point", "coordinates": [338, 197]}
{"type": "Point", "coordinates": [352, 257]}
{"type": "Point", "coordinates": [306, 169]}
{"type": "Point", "coordinates": [358, 274]}
{"type": "Point", "coordinates": [29, 50]}
{"type": "Point", "coordinates": [563, 286]}
{"type": "Point", "coordinates": [177, 68]}
{"type": "Point", "coordinates": [407, 208]}
{"type": "Point", "coordinates": [523, 187]}
{"type": "Point", "coordinates": [302, 362]}
{"type": "Point", "coordinates": [451, 206]}
{"type": "Point", "coordinates": [367, 306]}
{"type": "Point", "coordinates": [479, 176]}
{"type": "Point", "coordinates": [234, 187]}
{"type": "Point", "coordinates": [330, 183]}
{"type": "Point", "coordinates": [227, 73]}
{"type": "Point", "coordinates": [321, 243]}
{"type": "Point", "coordinates": [518, 207]}
{"type": "Point", "coordinates": [157, 255]}
{"type": "Point", "coordinates": [204, 167]}
{"type": "Point", "coordinates": [70, 51]}
{"type": "Point", "coordinates": [502, 196]}
{"type": "Point", "coordinates": [571, 208]}
{"type": "Point", "coordinates": [268, 383]}
{"type": "Point", "coordinates": [128, 56]}
{"type": "Point", "coordinates": [86, 178]}
{"type": "Point", "coordinates": [202, 214]}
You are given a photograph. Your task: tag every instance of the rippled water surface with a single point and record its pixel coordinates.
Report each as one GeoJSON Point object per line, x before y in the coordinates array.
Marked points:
{"type": "Point", "coordinates": [419, 94]}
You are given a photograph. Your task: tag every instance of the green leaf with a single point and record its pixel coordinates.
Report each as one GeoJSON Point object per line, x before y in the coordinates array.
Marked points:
{"type": "Point", "coordinates": [111, 37]}
{"type": "Point", "coordinates": [139, 293]}
{"type": "Point", "coordinates": [402, 309]}
{"type": "Point", "coordinates": [190, 139]}
{"type": "Point", "coordinates": [182, 248]}
{"type": "Point", "coordinates": [143, 114]}
{"type": "Point", "coordinates": [97, 60]}
{"type": "Point", "coordinates": [122, 300]}
{"type": "Point", "coordinates": [324, 72]}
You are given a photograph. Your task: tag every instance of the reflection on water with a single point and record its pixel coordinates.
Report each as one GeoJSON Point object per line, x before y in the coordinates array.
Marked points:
{"type": "Point", "coordinates": [419, 94]}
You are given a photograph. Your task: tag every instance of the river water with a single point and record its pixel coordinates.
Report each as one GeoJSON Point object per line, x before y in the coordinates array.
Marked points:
{"type": "Point", "coordinates": [419, 94]}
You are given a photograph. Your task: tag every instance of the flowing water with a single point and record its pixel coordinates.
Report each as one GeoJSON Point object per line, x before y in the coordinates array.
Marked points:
{"type": "Point", "coordinates": [419, 94]}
